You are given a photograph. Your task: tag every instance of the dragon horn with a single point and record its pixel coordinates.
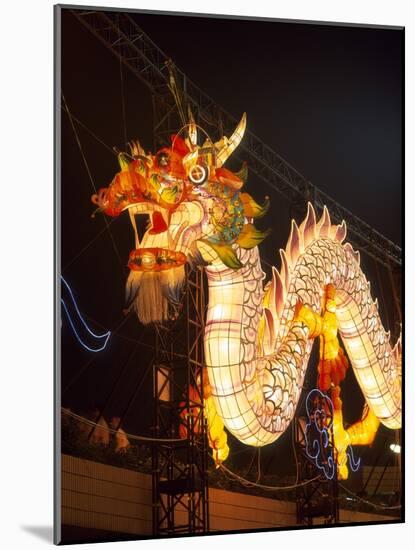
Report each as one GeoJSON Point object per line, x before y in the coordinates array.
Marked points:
{"type": "Point", "coordinates": [228, 146]}
{"type": "Point", "coordinates": [123, 161]}
{"type": "Point", "coordinates": [136, 149]}
{"type": "Point", "coordinates": [192, 129]}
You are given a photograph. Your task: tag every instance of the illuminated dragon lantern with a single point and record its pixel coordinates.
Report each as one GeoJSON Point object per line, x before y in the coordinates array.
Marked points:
{"type": "Point", "coordinates": [258, 337]}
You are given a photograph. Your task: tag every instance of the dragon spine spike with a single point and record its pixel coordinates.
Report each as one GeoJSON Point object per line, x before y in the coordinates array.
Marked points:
{"type": "Point", "coordinates": [341, 232]}
{"type": "Point", "coordinates": [269, 298]}
{"type": "Point", "coordinates": [397, 348]}
{"type": "Point", "coordinates": [294, 244]}
{"type": "Point", "coordinates": [300, 246]}
{"type": "Point", "coordinates": [399, 343]}
{"type": "Point", "coordinates": [348, 247]}
{"type": "Point", "coordinates": [270, 331]}
{"type": "Point", "coordinates": [332, 232]}
{"type": "Point", "coordinates": [279, 291]}
{"type": "Point", "coordinates": [136, 149]}
{"type": "Point", "coordinates": [284, 271]}
{"type": "Point", "coordinates": [308, 226]}
{"type": "Point", "coordinates": [324, 224]}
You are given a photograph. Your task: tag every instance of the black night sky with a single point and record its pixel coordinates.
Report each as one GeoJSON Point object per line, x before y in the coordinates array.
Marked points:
{"type": "Point", "coordinates": [328, 99]}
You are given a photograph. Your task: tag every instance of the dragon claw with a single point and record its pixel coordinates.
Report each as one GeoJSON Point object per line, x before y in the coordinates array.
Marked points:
{"type": "Point", "coordinates": [333, 362]}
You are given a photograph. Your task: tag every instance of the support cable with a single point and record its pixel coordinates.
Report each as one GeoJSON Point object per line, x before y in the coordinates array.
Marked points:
{"type": "Point", "coordinates": [123, 110]}
{"type": "Point", "coordinates": [248, 483]}
{"type": "Point", "coordinates": [91, 242]}
{"type": "Point", "coordinates": [379, 506]}
{"type": "Point", "coordinates": [134, 340]}
{"type": "Point", "coordinates": [134, 437]}
{"type": "Point", "coordinates": [92, 182]}
{"type": "Point", "coordinates": [135, 393]}
{"type": "Point", "coordinates": [92, 359]}
{"type": "Point", "coordinates": [90, 132]}
{"type": "Point", "coordinates": [114, 387]}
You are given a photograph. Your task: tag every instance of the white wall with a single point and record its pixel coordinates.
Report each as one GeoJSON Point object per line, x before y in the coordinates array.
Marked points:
{"type": "Point", "coordinates": [114, 499]}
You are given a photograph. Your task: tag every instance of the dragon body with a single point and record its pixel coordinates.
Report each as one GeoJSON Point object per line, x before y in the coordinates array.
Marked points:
{"type": "Point", "coordinates": [258, 390]}
{"type": "Point", "coordinates": [258, 337]}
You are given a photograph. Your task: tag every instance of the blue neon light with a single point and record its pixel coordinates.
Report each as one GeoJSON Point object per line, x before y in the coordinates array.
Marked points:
{"type": "Point", "coordinates": [100, 337]}
{"type": "Point", "coordinates": [354, 464]}
{"type": "Point", "coordinates": [327, 467]}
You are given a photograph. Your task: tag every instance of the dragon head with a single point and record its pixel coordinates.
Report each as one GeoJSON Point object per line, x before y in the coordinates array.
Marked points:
{"type": "Point", "coordinates": [196, 213]}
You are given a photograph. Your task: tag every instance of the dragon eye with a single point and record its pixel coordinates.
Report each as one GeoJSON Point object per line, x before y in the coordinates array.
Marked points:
{"type": "Point", "coordinates": [198, 174]}
{"type": "Point", "coordinates": [163, 159]}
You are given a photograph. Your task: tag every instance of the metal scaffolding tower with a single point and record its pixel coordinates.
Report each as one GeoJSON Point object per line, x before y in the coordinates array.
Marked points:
{"type": "Point", "coordinates": [179, 466]}
{"type": "Point", "coordinates": [317, 494]}
{"type": "Point", "coordinates": [125, 39]}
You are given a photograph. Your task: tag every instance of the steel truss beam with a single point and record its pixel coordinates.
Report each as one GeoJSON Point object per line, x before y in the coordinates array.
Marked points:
{"type": "Point", "coordinates": [124, 38]}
